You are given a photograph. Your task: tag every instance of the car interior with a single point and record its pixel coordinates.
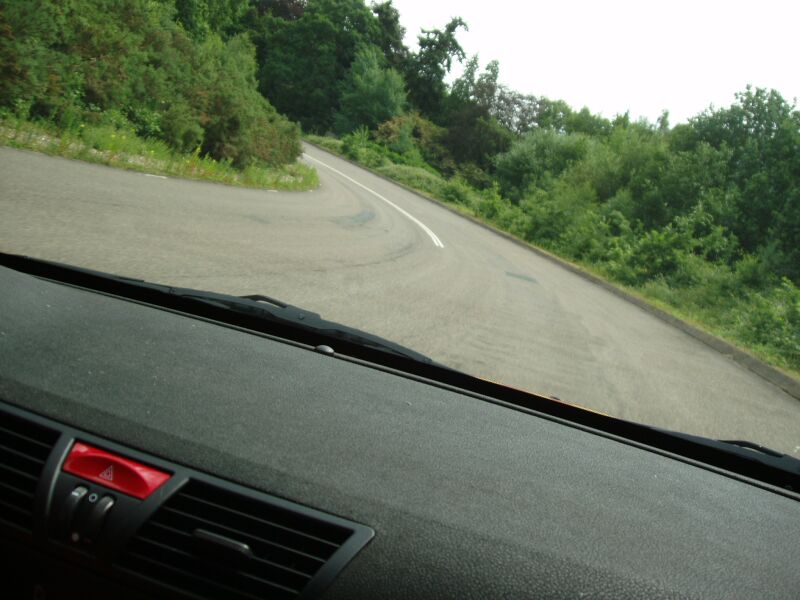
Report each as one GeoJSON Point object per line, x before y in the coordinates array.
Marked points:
{"type": "Point", "coordinates": [157, 442]}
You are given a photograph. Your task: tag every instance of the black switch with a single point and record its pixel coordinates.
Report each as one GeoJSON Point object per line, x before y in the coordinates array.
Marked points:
{"type": "Point", "coordinates": [93, 524]}
{"type": "Point", "coordinates": [68, 508]}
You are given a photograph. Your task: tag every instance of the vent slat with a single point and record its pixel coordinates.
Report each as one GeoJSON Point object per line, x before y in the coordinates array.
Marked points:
{"type": "Point", "coordinates": [289, 519]}
{"type": "Point", "coordinates": [13, 507]}
{"type": "Point", "coordinates": [43, 446]}
{"type": "Point", "coordinates": [227, 509]}
{"type": "Point", "coordinates": [320, 557]}
{"type": "Point", "coordinates": [282, 578]}
{"type": "Point", "coordinates": [200, 584]}
{"type": "Point", "coordinates": [18, 478]}
{"type": "Point", "coordinates": [288, 546]}
{"type": "Point", "coordinates": [187, 539]}
{"type": "Point", "coordinates": [24, 448]}
{"type": "Point", "coordinates": [35, 463]}
{"type": "Point", "coordinates": [24, 495]}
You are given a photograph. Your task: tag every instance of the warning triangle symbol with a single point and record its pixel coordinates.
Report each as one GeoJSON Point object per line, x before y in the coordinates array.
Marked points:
{"type": "Point", "coordinates": [108, 474]}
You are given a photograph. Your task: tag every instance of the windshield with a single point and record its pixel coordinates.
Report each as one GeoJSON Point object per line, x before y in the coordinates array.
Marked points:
{"type": "Point", "coordinates": [608, 224]}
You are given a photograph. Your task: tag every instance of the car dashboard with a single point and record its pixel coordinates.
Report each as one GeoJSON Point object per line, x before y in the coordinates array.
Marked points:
{"type": "Point", "coordinates": [298, 471]}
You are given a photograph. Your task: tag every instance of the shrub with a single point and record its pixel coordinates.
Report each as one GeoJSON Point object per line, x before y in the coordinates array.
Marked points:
{"type": "Point", "coordinates": [457, 190]}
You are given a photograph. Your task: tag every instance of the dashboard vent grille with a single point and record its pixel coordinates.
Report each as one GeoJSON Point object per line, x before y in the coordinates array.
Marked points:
{"type": "Point", "coordinates": [288, 547]}
{"type": "Point", "coordinates": [24, 449]}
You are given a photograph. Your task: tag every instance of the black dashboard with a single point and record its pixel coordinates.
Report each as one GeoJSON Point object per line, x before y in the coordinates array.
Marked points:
{"type": "Point", "coordinates": [422, 489]}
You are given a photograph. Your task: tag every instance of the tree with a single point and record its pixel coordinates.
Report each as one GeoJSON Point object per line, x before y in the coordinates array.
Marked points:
{"type": "Point", "coordinates": [303, 60]}
{"type": "Point", "coordinates": [425, 70]}
{"type": "Point", "coordinates": [131, 65]}
{"type": "Point", "coordinates": [584, 121]}
{"type": "Point", "coordinates": [201, 17]}
{"type": "Point", "coordinates": [761, 131]}
{"type": "Point", "coordinates": [298, 68]}
{"type": "Point", "coordinates": [371, 93]}
{"type": "Point", "coordinates": [478, 89]}
{"type": "Point", "coordinates": [515, 111]}
{"type": "Point", "coordinates": [473, 135]}
{"type": "Point", "coordinates": [539, 156]}
{"type": "Point", "coordinates": [284, 9]}
{"type": "Point", "coordinates": [392, 33]}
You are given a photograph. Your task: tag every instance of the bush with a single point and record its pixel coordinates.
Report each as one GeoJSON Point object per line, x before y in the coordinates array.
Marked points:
{"type": "Point", "coordinates": [540, 155]}
{"type": "Point", "coordinates": [457, 190]}
{"type": "Point", "coordinates": [129, 64]}
{"type": "Point", "coordinates": [358, 147]}
{"type": "Point", "coordinates": [772, 320]}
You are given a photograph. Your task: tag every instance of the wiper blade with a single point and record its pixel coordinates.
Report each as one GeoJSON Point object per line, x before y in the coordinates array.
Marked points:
{"type": "Point", "coordinates": [265, 307]}
{"type": "Point", "coordinates": [255, 306]}
{"type": "Point", "coordinates": [753, 446]}
{"type": "Point", "coordinates": [765, 458]}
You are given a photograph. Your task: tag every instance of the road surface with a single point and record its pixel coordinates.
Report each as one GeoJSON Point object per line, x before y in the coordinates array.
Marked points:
{"type": "Point", "coordinates": [367, 253]}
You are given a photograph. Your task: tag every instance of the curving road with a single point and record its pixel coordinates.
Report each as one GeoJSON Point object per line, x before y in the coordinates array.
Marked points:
{"type": "Point", "coordinates": [365, 252]}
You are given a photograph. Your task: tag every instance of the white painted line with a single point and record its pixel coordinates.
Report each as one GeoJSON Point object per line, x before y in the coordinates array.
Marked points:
{"type": "Point", "coordinates": [151, 175]}
{"type": "Point", "coordinates": [436, 241]}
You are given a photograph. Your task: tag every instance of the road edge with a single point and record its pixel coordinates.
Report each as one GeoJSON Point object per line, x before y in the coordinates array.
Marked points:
{"type": "Point", "coordinates": [773, 375]}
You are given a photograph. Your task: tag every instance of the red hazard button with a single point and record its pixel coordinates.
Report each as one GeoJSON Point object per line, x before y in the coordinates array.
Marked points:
{"type": "Point", "coordinates": [113, 471]}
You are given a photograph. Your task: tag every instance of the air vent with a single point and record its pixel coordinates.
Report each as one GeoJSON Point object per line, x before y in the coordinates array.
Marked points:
{"type": "Point", "coordinates": [24, 448]}
{"type": "Point", "coordinates": [210, 542]}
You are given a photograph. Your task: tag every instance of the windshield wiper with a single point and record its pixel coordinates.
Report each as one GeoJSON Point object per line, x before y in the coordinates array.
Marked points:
{"type": "Point", "coordinates": [755, 454]}
{"type": "Point", "coordinates": [271, 309]}
{"type": "Point", "coordinates": [295, 324]}
{"type": "Point", "coordinates": [753, 446]}
{"type": "Point", "coordinates": [263, 313]}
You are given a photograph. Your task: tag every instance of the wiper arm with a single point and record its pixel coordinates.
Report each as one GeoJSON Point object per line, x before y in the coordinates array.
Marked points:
{"type": "Point", "coordinates": [307, 326]}
{"type": "Point", "coordinates": [258, 305]}
{"type": "Point", "coordinates": [262, 298]}
{"type": "Point", "coordinates": [753, 446]}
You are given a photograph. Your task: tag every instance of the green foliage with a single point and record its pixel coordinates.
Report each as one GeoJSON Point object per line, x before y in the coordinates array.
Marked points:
{"type": "Point", "coordinates": [415, 177]}
{"type": "Point", "coordinates": [358, 147]}
{"type": "Point", "coordinates": [303, 60]}
{"type": "Point", "coordinates": [370, 94]}
{"type": "Point", "coordinates": [110, 143]}
{"type": "Point", "coordinates": [538, 156]}
{"type": "Point", "coordinates": [760, 136]}
{"type": "Point", "coordinates": [71, 62]}
{"type": "Point", "coordinates": [414, 140]}
{"type": "Point", "coordinates": [473, 135]}
{"type": "Point", "coordinates": [585, 122]}
{"type": "Point", "coordinates": [391, 34]}
{"type": "Point", "coordinates": [327, 142]}
{"type": "Point", "coordinates": [426, 70]}
{"type": "Point", "coordinates": [201, 17]}
{"type": "Point", "coordinates": [772, 321]}
{"type": "Point", "coordinates": [459, 191]}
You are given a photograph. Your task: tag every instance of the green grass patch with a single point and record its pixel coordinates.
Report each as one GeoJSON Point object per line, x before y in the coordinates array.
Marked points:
{"type": "Point", "coordinates": [331, 144]}
{"type": "Point", "coordinates": [116, 147]}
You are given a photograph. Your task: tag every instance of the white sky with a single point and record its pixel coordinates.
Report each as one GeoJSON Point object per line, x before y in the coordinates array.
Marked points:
{"type": "Point", "coordinates": [618, 55]}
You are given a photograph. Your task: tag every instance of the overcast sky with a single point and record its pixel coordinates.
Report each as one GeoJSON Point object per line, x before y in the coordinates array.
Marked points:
{"type": "Point", "coordinates": [618, 55]}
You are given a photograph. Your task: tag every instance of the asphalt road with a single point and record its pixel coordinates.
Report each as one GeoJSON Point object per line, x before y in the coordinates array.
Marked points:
{"type": "Point", "coordinates": [367, 253]}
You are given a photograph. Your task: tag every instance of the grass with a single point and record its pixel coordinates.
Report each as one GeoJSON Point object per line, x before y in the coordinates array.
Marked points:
{"type": "Point", "coordinates": [107, 145]}
{"type": "Point", "coordinates": [737, 318]}
{"type": "Point", "coordinates": [329, 143]}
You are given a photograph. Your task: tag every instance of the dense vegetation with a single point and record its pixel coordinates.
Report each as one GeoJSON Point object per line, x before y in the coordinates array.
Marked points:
{"type": "Point", "coordinates": [159, 69]}
{"type": "Point", "coordinates": [703, 217]}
